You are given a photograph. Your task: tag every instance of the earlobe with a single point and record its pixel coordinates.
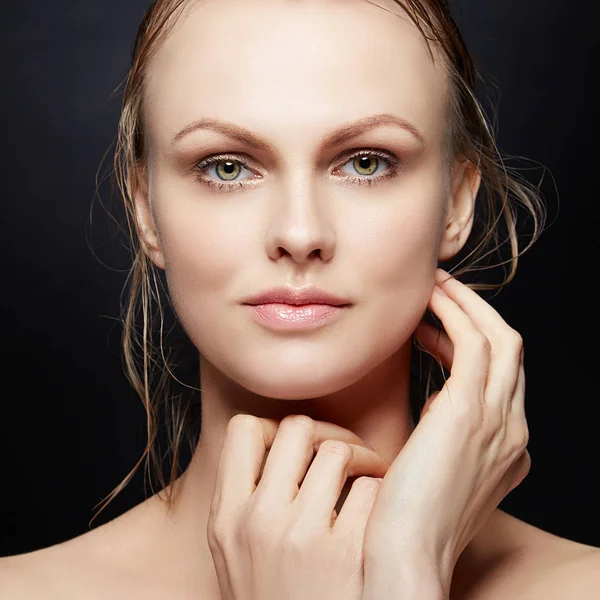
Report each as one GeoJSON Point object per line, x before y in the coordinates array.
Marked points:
{"type": "Point", "coordinates": [149, 239]}
{"type": "Point", "coordinates": [461, 209]}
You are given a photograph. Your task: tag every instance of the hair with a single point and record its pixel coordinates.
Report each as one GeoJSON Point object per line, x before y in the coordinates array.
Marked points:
{"type": "Point", "coordinates": [470, 136]}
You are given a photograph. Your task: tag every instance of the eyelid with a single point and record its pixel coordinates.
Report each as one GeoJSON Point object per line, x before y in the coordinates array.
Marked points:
{"type": "Point", "coordinates": [340, 160]}
{"type": "Point", "coordinates": [370, 151]}
{"type": "Point", "coordinates": [391, 158]}
{"type": "Point", "coordinates": [224, 187]}
{"type": "Point", "coordinates": [215, 158]}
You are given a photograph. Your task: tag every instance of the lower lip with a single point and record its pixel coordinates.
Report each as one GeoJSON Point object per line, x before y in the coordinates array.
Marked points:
{"type": "Point", "coordinates": [290, 317]}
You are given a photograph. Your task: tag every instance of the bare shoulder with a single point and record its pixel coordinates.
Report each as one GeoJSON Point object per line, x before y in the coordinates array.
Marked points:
{"type": "Point", "coordinates": [578, 577]}
{"type": "Point", "coordinates": [90, 566]}
{"type": "Point", "coordinates": [514, 560]}
{"type": "Point", "coordinates": [29, 576]}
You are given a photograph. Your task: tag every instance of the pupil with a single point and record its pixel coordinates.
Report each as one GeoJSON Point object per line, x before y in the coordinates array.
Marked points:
{"type": "Point", "coordinates": [367, 159]}
{"type": "Point", "coordinates": [229, 167]}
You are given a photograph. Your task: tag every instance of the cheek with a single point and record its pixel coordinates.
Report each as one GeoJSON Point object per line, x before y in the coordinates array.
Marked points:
{"type": "Point", "coordinates": [386, 255]}
{"type": "Point", "coordinates": [395, 263]}
{"type": "Point", "coordinates": [204, 248]}
{"type": "Point", "coordinates": [198, 257]}
{"type": "Point", "coordinates": [399, 249]}
{"type": "Point", "coordinates": [202, 241]}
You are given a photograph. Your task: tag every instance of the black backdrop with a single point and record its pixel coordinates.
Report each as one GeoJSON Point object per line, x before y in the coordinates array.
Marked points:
{"type": "Point", "coordinates": [71, 427]}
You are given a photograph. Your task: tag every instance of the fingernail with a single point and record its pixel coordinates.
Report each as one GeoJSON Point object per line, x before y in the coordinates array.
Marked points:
{"type": "Point", "coordinates": [439, 290]}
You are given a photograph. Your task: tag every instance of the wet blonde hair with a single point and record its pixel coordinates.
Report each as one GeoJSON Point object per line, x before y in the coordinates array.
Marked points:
{"type": "Point", "coordinates": [503, 192]}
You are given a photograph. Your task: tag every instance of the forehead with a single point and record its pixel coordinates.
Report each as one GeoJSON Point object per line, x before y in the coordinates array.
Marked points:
{"type": "Point", "coordinates": [291, 69]}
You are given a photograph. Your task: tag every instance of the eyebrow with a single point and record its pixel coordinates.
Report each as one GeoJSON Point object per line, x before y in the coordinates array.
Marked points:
{"type": "Point", "coordinates": [341, 135]}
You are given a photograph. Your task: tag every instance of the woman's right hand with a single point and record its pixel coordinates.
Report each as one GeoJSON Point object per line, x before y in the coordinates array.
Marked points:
{"type": "Point", "coordinates": [273, 532]}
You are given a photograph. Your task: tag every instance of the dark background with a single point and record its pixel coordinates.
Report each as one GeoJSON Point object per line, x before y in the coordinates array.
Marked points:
{"type": "Point", "coordinates": [70, 426]}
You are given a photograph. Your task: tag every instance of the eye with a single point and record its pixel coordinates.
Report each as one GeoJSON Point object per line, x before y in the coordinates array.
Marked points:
{"type": "Point", "coordinates": [227, 168]}
{"type": "Point", "coordinates": [365, 163]}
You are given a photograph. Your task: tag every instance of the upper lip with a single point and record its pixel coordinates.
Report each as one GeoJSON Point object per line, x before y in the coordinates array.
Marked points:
{"type": "Point", "coordinates": [288, 295]}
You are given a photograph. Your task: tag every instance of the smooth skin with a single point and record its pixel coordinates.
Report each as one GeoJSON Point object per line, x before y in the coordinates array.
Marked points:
{"type": "Point", "coordinates": [281, 537]}
{"type": "Point", "coordinates": [296, 75]}
{"type": "Point", "coordinates": [466, 454]}
{"type": "Point", "coordinates": [272, 539]}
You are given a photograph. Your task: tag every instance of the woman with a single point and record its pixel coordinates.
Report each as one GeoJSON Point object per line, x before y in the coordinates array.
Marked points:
{"type": "Point", "coordinates": [299, 191]}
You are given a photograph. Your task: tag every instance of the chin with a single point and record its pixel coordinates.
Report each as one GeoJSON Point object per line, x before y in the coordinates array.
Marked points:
{"type": "Point", "coordinates": [299, 382]}
{"type": "Point", "coordinates": [293, 390]}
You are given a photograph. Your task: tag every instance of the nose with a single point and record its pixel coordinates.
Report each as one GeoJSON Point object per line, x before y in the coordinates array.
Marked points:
{"type": "Point", "coordinates": [300, 227]}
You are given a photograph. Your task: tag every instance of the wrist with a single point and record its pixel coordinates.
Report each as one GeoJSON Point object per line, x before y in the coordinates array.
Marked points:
{"type": "Point", "coordinates": [407, 582]}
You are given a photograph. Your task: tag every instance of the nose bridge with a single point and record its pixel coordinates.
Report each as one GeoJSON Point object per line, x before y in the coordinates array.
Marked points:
{"type": "Point", "coordinates": [300, 224]}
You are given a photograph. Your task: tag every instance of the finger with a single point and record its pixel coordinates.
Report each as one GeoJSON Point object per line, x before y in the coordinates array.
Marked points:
{"type": "Point", "coordinates": [436, 342]}
{"type": "Point", "coordinates": [516, 419]}
{"type": "Point", "coordinates": [258, 449]}
{"type": "Point", "coordinates": [483, 314]}
{"type": "Point", "coordinates": [517, 406]}
{"type": "Point", "coordinates": [354, 514]}
{"type": "Point", "coordinates": [506, 343]}
{"type": "Point", "coordinates": [502, 382]}
{"type": "Point", "coordinates": [326, 477]}
{"type": "Point", "coordinates": [520, 470]}
{"type": "Point", "coordinates": [471, 357]}
{"type": "Point", "coordinates": [514, 476]}
{"type": "Point", "coordinates": [244, 446]}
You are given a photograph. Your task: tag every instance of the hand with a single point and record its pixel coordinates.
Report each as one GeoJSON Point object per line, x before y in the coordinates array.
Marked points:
{"type": "Point", "coordinates": [466, 454]}
{"type": "Point", "coordinates": [275, 534]}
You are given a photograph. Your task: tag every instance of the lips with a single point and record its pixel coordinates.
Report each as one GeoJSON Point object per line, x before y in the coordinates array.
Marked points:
{"type": "Point", "coordinates": [289, 317]}
{"type": "Point", "coordinates": [297, 297]}
{"type": "Point", "coordinates": [294, 309]}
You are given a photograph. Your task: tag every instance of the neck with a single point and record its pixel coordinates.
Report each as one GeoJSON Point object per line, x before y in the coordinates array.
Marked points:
{"type": "Point", "coordinates": [376, 408]}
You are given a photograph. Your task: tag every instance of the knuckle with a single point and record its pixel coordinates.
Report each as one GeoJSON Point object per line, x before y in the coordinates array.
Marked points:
{"type": "Point", "coordinates": [524, 434]}
{"type": "Point", "coordinates": [525, 465]}
{"type": "Point", "coordinates": [522, 467]}
{"type": "Point", "coordinates": [298, 421]}
{"type": "Point", "coordinates": [515, 440]}
{"type": "Point", "coordinates": [258, 526]}
{"type": "Point", "coordinates": [366, 483]}
{"type": "Point", "coordinates": [519, 349]}
{"type": "Point", "coordinates": [297, 540]}
{"type": "Point", "coordinates": [480, 343]}
{"type": "Point", "coordinates": [525, 442]}
{"type": "Point", "coordinates": [521, 441]}
{"type": "Point", "coordinates": [520, 471]}
{"type": "Point", "coordinates": [484, 345]}
{"type": "Point", "coordinates": [519, 438]}
{"type": "Point", "coordinates": [242, 421]}
{"type": "Point", "coordinates": [516, 339]}
{"type": "Point", "coordinates": [513, 450]}
{"type": "Point", "coordinates": [217, 531]}
{"type": "Point", "coordinates": [512, 341]}
{"type": "Point", "coordinates": [336, 447]}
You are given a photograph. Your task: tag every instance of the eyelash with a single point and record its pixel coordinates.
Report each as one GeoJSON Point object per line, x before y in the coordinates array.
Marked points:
{"type": "Point", "coordinates": [364, 180]}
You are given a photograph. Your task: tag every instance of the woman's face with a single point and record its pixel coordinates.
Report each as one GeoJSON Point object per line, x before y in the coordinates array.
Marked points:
{"type": "Point", "coordinates": [296, 76]}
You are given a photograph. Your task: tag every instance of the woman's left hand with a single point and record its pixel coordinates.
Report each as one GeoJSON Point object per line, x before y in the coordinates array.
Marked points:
{"type": "Point", "coordinates": [466, 454]}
